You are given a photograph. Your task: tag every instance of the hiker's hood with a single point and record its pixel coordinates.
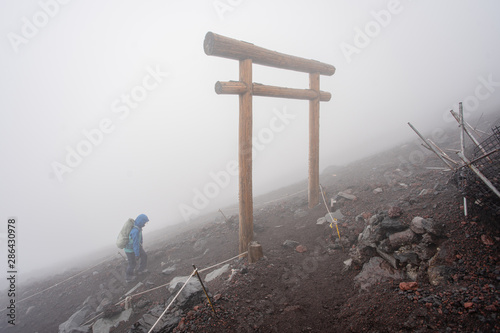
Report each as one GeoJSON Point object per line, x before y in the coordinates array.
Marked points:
{"type": "Point", "coordinates": [141, 220]}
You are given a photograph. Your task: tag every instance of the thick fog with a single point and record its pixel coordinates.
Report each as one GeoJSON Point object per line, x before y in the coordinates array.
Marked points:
{"type": "Point", "coordinates": [109, 109]}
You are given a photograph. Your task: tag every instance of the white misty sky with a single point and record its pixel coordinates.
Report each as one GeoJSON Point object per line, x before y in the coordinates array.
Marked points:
{"type": "Point", "coordinates": [69, 75]}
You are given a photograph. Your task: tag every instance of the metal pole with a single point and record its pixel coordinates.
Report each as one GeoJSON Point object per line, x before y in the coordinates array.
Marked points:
{"type": "Point", "coordinates": [204, 290]}
{"type": "Point", "coordinates": [457, 118]}
{"type": "Point", "coordinates": [461, 117]}
{"type": "Point", "coordinates": [225, 218]}
{"type": "Point", "coordinates": [426, 145]}
{"type": "Point", "coordinates": [442, 152]}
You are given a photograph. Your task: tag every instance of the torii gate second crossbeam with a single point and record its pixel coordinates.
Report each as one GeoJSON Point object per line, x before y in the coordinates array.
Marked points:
{"type": "Point", "coordinates": [246, 53]}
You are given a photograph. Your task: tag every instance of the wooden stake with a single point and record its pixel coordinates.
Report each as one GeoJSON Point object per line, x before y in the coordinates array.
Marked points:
{"type": "Point", "coordinates": [245, 158]}
{"type": "Point", "coordinates": [314, 142]}
{"type": "Point", "coordinates": [254, 252]}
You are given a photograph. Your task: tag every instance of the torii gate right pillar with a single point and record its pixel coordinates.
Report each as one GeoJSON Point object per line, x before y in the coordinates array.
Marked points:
{"type": "Point", "coordinates": [313, 188]}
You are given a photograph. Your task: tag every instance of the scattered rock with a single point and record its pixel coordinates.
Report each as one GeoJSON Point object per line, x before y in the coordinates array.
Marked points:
{"type": "Point", "coordinates": [389, 258]}
{"type": "Point", "coordinates": [399, 239]}
{"type": "Point", "coordinates": [135, 288]}
{"type": "Point", "coordinates": [428, 239]}
{"type": "Point", "coordinates": [336, 215]}
{"type": "Point", "coordinates": [389, 225]}
{"type": "Point", "coordinates": [347, 196]}
{"type": "Point", "coordinates": [75, 321]}
{"type": "Point", "coordinates": [408, 286]}
{"type": "Point", "coordinates": [487, 240]}
{"type": "Point", "coordinates": [433, 227]}
{"type": "Point", "coordinates": [169, 270]}
{"type": "Point", "coordinates": [218, 272]}
{"type": "Point", "coordinates": [200, 244]}
{"type": "Point", "coordinates": [491, 307]}
{"type": "Point", "coordinates": [438, 275]}
{"type": "Point", "coordinates": [103, 303]}
{"type": "Point", "coordinates": [417, 226]}
{"type": "Point", "coordinates": [395, 212]}
{"type": "Point", "coordinates": [377, 190]}
{"type": "Point", "coordinates": [104, 325]}
{"type": "Point", "coordinates": [468, 305]}
{"type": "Point", "coordinates": [290, 244]}
{"type": "Point", "coordinates": [321, 220]}
{"type": "Point", "coordinates": [301, 249]}
{"type": "Point", "coordinates": [406, 257]}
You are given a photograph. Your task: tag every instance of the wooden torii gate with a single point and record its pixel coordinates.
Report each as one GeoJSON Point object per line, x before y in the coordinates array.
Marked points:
{"type": "Point", "coordinates": [246, 53]}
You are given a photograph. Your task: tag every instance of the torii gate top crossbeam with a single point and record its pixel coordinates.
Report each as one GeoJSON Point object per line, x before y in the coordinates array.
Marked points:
{"type": "Point", "coordinates": [225, 47]}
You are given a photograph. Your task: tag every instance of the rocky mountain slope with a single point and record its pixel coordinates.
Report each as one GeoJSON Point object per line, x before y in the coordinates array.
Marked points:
{"type": "Point", "coordinates": [407, 260]}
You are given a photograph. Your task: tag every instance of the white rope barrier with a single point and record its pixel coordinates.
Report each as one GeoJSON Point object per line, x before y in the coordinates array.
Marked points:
{"type": "Point", "coordinates": [334, 220]}
{"type": "Point", "coordinates": [59, 283]}
{"type": "Point", "coordinates": [164, 285]}
{"type": "Point", "coordinates": [168, 306]}
{"type": "Point", "coordinates": [206, 269]}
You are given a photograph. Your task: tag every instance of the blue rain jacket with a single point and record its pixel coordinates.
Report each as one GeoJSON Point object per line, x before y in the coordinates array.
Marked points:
{"type": "Point", "coordinates": [135, 236]}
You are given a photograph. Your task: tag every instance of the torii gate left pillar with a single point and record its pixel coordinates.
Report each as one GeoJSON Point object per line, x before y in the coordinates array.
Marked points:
{"type": "Point", "coordinates": [248, 54]}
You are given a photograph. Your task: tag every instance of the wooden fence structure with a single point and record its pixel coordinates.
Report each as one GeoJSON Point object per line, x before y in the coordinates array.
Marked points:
{"type": "Point", "coordinates": [248, 54]}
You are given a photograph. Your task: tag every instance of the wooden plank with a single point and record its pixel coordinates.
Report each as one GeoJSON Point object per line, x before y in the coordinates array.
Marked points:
{"type": "Point", "coordinates": [221, 46]}
{"type": "Point", "coordinates": [245, 158]}
{"type": "Point", "coordinates": [236, 88]}
{"type": "Point", "coordinates": [313, 143]}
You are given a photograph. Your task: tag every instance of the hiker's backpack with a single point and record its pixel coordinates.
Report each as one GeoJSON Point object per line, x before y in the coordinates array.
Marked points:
{"type": "Point", "coordinates": [122, 239]}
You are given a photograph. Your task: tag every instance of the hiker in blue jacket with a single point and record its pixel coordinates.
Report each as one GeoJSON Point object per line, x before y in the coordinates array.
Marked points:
{"type": "Point", "coordinates": [134, 250]}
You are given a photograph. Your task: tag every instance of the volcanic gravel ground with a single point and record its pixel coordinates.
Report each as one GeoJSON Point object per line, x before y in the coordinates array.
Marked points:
{"type": "Point", "coordinates": [306, 288]}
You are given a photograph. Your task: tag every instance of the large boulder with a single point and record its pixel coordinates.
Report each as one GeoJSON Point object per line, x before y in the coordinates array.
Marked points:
{"type": "Point", "coordinates": [218, 272]}
{"type": "Point", "coordinates": [74, 323]}
{"type": "Point", "coordinates": [361, 254]}
{"type": "Point", "coordinates": [390, 226]}
{"type": "Point", "coordinates": [370, 236]}
{"type": "Point", "coordinates": [402, 238]}
{"type": "Point", "coordinates": [190, 295]}
{"type": "Point", "coordinates": [375, 271]}
{"type": "Point", "coordinates": [104, 325]}
{"type": "Point", "coordinates": [419, 225]}
{"type": "Point", "coordinates": [433, 227]}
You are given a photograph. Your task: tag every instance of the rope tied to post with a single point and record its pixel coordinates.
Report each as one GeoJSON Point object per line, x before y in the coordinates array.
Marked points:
{"type": "Point", "coordinates": [334, 220]}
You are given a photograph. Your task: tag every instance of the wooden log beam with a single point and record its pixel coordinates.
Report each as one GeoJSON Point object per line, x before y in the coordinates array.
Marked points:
{"type": "Point", "coordinates": [225, 47]}
{"type": "Point", "coordinates": [237, 88]}
{"type": "Point", "coordinates": [230, 88]}
{"type": "Point", "coordinates": [313, 193]}
{"type": "Point", "coordinates": [245, 158]}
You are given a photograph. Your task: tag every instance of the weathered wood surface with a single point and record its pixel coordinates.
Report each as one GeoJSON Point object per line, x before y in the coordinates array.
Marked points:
{"type": "Point", "coordinates": [245, 158]}
{"type": "Point", "coordinates": [313, 189]}
{"type": "Point", "coordinates": [225, 47]}
{"type": "Point", "coordinates": [236, 88]}
{"type": "Point", "coordinates": [254, 252]}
